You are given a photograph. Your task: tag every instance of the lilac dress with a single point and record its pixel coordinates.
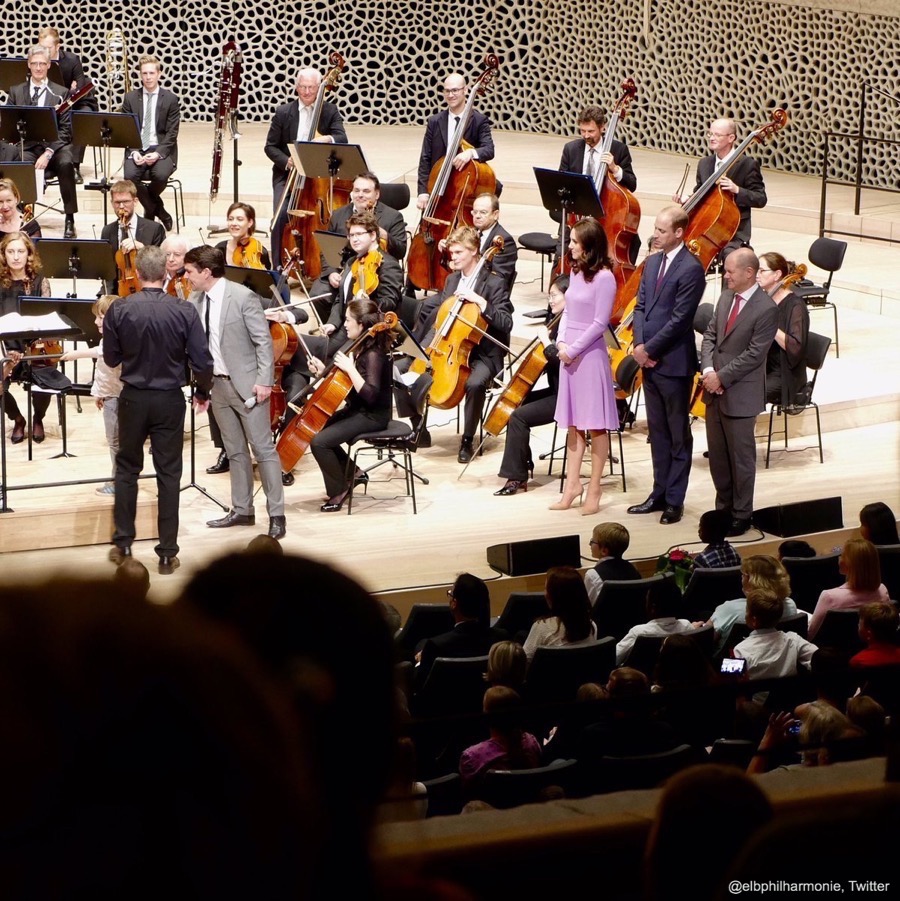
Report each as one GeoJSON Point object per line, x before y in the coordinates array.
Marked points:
{"type": "Point", "coordinates": [586, 397]}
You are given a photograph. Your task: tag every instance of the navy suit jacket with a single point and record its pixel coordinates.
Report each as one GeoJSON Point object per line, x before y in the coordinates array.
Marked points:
{"type": "Point", "coordinates": [746, 174]}
{"type": "Point", "coordinates": [504, 263]}
{"type": "Point", "coordinates": [434, 145]}
{"type": "Point", "coordinates": [664, 314]}
{"type": "Point", "coordinates": [573, 161]}
{"type": "Point", "coordinates": [20, 95]}
{"type": "Point", "coordinates": [283, 131]}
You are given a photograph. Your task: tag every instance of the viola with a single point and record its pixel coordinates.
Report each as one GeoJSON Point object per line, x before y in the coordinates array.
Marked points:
{"type": "Point", "coordinates": [248, 253]}
{"type": "Point", "coordinates": [364, 271]}
{"type": "Point", "coordinates": [179, 287]}
{"type": "Point", "coordinates": [451, 195]}
{"type": "Point", "coordinates": [128, 283]}
{"type": "Point", "coordinates": [329, 393]}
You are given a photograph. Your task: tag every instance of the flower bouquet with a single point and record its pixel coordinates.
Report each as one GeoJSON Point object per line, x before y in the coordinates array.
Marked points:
{"type": "Point", "coordinates": [678, 562]}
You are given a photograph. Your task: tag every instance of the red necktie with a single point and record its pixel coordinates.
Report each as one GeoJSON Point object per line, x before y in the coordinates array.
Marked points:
{"type": "Point", "coordinates": [733, 315]}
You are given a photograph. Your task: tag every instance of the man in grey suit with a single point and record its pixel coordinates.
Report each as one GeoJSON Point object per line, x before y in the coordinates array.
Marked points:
{"type": "Point", "coordinates": [244, 372]}
{"type": "Point", "coordinates": [733, 362]}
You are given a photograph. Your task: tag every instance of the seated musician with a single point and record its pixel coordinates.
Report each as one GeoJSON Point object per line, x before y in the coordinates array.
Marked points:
{"type": "Point", "coordinates": [54, 157]}
{"type": "Point", "coordinates": [159, 117]}
{"type": "Point", "coordinates": [368, 406]}
{"type": "Point", "coordinates": [538, 408]}
{"type": "Point", "coordinates": [786, 375]}
{"type": "Point", "coordinates": [128, 231]}
{"type": "Point", "coordinates": [241, 248]}
{"type": "Point", "coordinates": [365, 196]}
{"type": "Point", "coordinates": [20, 274]}
{"type": "Point", "coordinates": [175, 282]}
{"type": "Point", "coordinates": [486, 219]}
{"type": "Point", "coordinates": [11, 218]}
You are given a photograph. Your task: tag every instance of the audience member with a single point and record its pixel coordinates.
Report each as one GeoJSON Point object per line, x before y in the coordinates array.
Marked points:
{"type": "Point", "coordinates": [663, 603]}
{"type": "Point", "coordinates": [564, 741]}
{"type": "Point", "coordinates": [796, 547]}
{"type": "Point", "coordinates": [682, 665]}
{"type": "Point", "coordinates": [570, 623]}
{"type": "Point", "coordinates": [878, 629]}
{"type": "Point", "coordinates": [609, 542]}
{"type": "Point", "coordinates": [264, 544]}
{"type": "Point", "coordinates": [133, 579]}
{"type": "Point", "coordinates": [878, 524]}
{"type": "Point", "coordinates": [860, 564]}
{"type": "Point", "coordinates": [769, 653]}
{"type": "Point", "coordinates": [713, 529]}
{"type": "Point", "coordinates": [405, 798]}
{"type": "Point", "coordinates": [868, 715]}
{"type": "Point", "coordinates": [507, 664]}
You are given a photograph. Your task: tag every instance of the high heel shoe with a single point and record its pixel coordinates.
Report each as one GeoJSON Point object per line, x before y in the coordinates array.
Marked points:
{"type": "Point", "coordinates": [511, 487]}
{"type": "Point", "coordinates": [563, 504]}
{"type": "Point", "coordinates": [18, 432]}
{"type": "Point", "coordinates": [591, 505]}
{"type": "Point", "coordinates": [335, 503]}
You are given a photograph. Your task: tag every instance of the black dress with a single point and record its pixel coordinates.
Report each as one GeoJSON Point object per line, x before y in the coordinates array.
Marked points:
{"type": "Point", "coordinates": [9, 303]}
{"type": "Point", "coordinates": [786, 369]}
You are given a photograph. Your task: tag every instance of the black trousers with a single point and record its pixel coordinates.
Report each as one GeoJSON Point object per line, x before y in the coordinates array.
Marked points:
{"type": "Point", "coordinates": [326, 447]}
{"type": "Point", "coordinates": [480, 378]}
{"type": "Point", "coordinates": [149, 195]}
{"type": "Point", "coordinates": [62, 165]}
{"type": "Point", "coordinates": [39, 401]}
{"type": "Point", "coordinates": [537, 409]}
{"type": "Point", "coordinates": [159, 416]}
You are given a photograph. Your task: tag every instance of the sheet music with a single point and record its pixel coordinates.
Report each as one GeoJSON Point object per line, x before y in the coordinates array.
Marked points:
{"type": "Point", "coordinates": [14, 323]}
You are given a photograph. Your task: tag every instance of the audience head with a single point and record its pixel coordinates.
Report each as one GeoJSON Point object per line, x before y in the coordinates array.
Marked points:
{"type": "Point", "coordinates": [795, 547]}
{"type": "Point", "coordinates": [822, 730]}
{"type": "Point", "coordinates": [627, 682]}
{"type": "Point", "coordinates": [264, 544]}
{"type": "Point", "coordinates": [610, 539]}
{"type": "Point", "coordinates": [470, 599]}
{"type": "Point", "coordinates": [878, 622]}
{"type": "Point", "coordinates": [860, 564]}
{"type": "Point", "coordinates": [568, 601]}
{"type": "Point", "coordinates": [507, 664]}
{"type": "Point", "coordinates": [133, 579]}
{"type": "Point", "coordinates": [590, 692]}
{"type": "Point", "coordinates": [714, 525]}
{"type": "Point", "coordinates": [682, 663]}
{"type": "Point", "coordinates": [763, 571]}
{"type": "Point", "coordinates": [878, 524]}
{"type": "Point", "coordinates": [664, 598]}
{"type": "Point", "coordinates": [505, 713]}
{"type": "Point", "coordinates": [764, 608]}
{"type": "Point", "coordinates": [867, 714]}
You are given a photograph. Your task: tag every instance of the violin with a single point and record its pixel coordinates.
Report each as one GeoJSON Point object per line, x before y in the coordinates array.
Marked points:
{"type": "Point", "coordinates": [179, 287]}
{"type": "Point", "coordinates": [248, 253]}
{"type": "Point", "coordinates": [365, 272]}
{"type": "Point", "coordinates": [451, 195]}
{"type": "Point", "coordinates": [328, 394]}
{"type": "Point", "coordinates": [128, 283]}
{"type": "Point", "coordinates": [42, 353]}
{"type": "Point", "coordinates": [458, 328]}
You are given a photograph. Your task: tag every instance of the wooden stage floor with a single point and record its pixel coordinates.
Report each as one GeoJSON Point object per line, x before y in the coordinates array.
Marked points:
{"type": "Point", "coordinates": [383, 544]}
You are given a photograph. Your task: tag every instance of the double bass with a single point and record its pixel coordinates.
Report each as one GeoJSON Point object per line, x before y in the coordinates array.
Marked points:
{"type": "Point", "coordinates": [328, 394]}
{"type": "Point", "coordinates": [451, 193]}
{"type": "Point", "coordinates": [310, 201]}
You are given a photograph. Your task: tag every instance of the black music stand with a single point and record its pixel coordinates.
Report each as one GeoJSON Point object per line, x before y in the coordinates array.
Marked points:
{"type": "Point", "coordinates": [333, 245]}
{"type": "Point", "coordinates": [76, 309]}
{"type": "Point", "coordinates": [319, 160]}
{"type": "Point", "coordinates": [14, 70]}
{"type": "Point", "coordinates": [22, 175]}
{"type": "Point", "coordinates": [19, 124]}
{"type": "Point", "coordinates": [78, 259]}
{"type": "Point", "coordinates": [105, 130]}
{"type": "Point", "coordinates": [568, 192]}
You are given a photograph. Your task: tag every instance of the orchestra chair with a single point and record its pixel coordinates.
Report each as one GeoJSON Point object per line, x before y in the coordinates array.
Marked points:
{"type": "Point", "coordinates": [395, 195]}
{"type": "Point", "coordinates": [511, 788]}
{"type": "Point", "coordinates": [827, 254]}
{"type": "Point", "coordinates": [810, 576]}
{"type": "Point", "coordinates": [555, 674]}
{"type": "Point", "coordinates": [174, 185]}
{"type": "Point", "coordinates": [816, 351]}
{"type": "Point", "coordinates": [424, 621]}
{"type": "Point", "coordinates": [542, 244]}
{"type": "Point", "coordinates": [644, 653]}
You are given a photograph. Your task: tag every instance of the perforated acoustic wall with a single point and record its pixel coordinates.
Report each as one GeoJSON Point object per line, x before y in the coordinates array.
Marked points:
{"type": "Point", "coordinates": [692, 61]}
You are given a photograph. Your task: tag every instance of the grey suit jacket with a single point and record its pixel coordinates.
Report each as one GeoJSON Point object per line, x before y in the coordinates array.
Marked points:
{"type": "Point", "coordinates": [168, 120]}
{"type": "Point", "coordinates": [244, 338]}
{"type": "Point", "coordinates": [739, 358]}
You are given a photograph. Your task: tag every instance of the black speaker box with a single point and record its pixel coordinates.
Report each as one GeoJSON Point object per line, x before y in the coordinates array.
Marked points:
{"type": "Point", "coordinates": [787, 520]}
{"type": "Point", "coordinates": [525, 558]}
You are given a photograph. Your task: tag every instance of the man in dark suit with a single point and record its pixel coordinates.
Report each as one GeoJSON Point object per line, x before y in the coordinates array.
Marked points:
{"type": "Point", "coordinates": [583, 154]}
{"type": "Point", "coordinates": [73, 78]}
{"type": "Point", "coordinates": [672, 285]}
{"type": "Point", "coordinates": [292, 122]}
{"type": "Point", "coordinates": [486, 219]}
{"type": "Point", "coordinates": [54, 157]}
{"type": "Point", "coordinates": [129, 231]}
{"type": "Point", "coordinates": [471, 635]}
{"type": "Point", "coordinates": [440, 130]}
{"type": "Point", "coordinates": [244, 372]}
{"type": "Point", "coordinates": [159, 116]}
{"type": "Point", "coordinates": [733, 361]}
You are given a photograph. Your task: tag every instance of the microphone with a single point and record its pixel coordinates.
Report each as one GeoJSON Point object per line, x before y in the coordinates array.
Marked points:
{"type": "Point", "coordinates": [250, 402]}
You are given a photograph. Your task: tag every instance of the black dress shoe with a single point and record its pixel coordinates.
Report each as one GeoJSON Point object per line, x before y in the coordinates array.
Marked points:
{"type": "Point", "coordinates": [233, 518]}
{"type": "Point", "coordinates": [511, 487]}
{"type": "Point", "coordinates": [119, 554]}
{"type": "Point", "coordinates": [69, 228]}
{"type": "Point", "coordinates": [37, 431]}
{"type": "Point", "coordinates": [277, 527]}
{"type": "Point", "coordinates": [651, 505]}
{"type": "Point", "coordinates": [287, 479]}
{"type": "Point", "coordinates": [165, 218]}
{"type": "Point", "coordinates": [18, 432]}
{"type": "Point", "coordinates": [738, 527]}
{"type": "Point", "coordinates": [168, 565]}
{"type": "Point", "coordinates": [671, 514]}
{"type": "Point", "coordinates": [79, 178]}
{"type": "Point", "coordinates": [466, 451]}
{"type": "Point", "coordinates": [334, 503]}
{"type": "Point", "coordinates": [221, 465]}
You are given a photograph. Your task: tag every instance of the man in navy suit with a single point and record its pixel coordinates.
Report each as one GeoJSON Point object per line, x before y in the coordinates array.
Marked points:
{"type": "Point", "coordinates": [672, 284]}
{"type": "Point", "coordinates": [439, 132]}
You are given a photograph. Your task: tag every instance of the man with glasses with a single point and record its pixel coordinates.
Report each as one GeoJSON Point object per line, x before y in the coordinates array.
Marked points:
{"type": "Point", "coordinates": [486, 219]}
{"type": "Point", "coordinates": [129, 231]}
{"type": "Point", "coordinates": [439, 133]}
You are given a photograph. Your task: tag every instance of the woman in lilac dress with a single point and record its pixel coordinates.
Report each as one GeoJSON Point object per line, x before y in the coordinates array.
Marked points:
{"type": "Point", "coordinates": [586, 400]}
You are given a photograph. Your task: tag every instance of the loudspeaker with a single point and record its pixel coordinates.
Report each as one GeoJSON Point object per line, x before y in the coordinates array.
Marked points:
{"type": "Point", "coordinates": [787, 520]}
{"type": "Point", "coordinates": [525, 558]}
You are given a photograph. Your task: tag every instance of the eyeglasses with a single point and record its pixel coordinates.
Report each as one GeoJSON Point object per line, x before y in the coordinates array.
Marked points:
{"type": "Point", "coordinates": [357, 234]}
{"type": "Point", "coordinates": [592, 541]}
{"type": "Point", "coordinates": [453, 90]}
{"type": "Point", "coordinates": [449, 592]}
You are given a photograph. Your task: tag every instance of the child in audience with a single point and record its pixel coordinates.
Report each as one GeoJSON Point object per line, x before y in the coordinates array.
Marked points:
{"type": "Point", "coordinates": [796, 547]}
{"type": "Point", "coordinates": [663, 603]}
{"type": "Point", "coordinates": [507, 664]}
{"type": "Point", "coordinates": [878, 629]}
{"type": "Point", "coordinates": [609, 542]}
{"type": "Point", "coordinates": [713, 527]}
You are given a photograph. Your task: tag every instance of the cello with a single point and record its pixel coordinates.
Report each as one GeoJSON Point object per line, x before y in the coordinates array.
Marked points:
{"type": "Point", "coordinates": [328, 394]}
{"type": "Point", "coordinates": [309, 201]}
{"type": "Point", "coordinates": [451, 193]}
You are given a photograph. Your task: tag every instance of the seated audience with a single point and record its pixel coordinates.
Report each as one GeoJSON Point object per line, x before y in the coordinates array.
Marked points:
{"type": "Point", "coordinates": [769, 653]}
{"type": "Point", "coordinates": [682, 665]}
{"type": "Point", "coordinates": [405, 798]}
{"type": "Point", "coordinates": [878, 629]}
{"type": "Point", "coordinates": [663, 603]}
{"type": "Point", "coordinates": [563, 742]}
{"type": "Point", "coordinates": [878, 524]}
{"type": "Point", "coordinates": [796, 547]}
{"type": "Point", "coordinates": [609, 542]}
{"type": "Point", "coordinates": [713, 527]}
{"type": "Point", "coordinates": [133, 579]}
{"type": "Point", "coordinates": [570, 623]}
{"type": "Point", "coordinates": [860, 564]}
{"type": "Point", "coordinates": [507, 665]}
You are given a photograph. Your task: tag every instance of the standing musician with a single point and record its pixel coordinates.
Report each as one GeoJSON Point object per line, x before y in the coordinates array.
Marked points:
{"type": "Point", "coordinates": [744, 178]}
{"type": "Point", "coordinates": [20, 274]}
{"type": "Point", "coordinates": [129, 232]}
{"type": "Point", "coordinates": [439, 131]}
{"type": "Point", "coordinates": [244, 371]}
{"type": "Point", "coordinates": [486, 219]}
{"type": "Point", "coordinates": [55, 157]}
{"type": "Point", "coordinates": [11, 218]}
{"type": "Point", "coordinates": [583, 155]}
{"type": "Point", "coordinates": [672, 284]}
{"type": "Point", "coordinates": [537, 409]}
{"type": "Point", "coordinates": [74, 78]}
{"type": "Point", "coordinates": [368, 406]}
{"type": "Point", "coordinates": [159, 116]}
{"type": "Point", "coordinates": [292, 122]}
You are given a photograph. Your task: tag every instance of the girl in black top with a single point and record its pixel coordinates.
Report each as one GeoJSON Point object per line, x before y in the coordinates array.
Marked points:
{"type": "Point", "coordinates": [368, 406]}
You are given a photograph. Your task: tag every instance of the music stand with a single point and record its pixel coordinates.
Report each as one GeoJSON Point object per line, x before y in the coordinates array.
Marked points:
{"type": "Point", "coordinates": [332, 245]}
{"type": "Point", "coordinates": [260, 281]}
{"type": "Point", "coordinates": [78, 259]}
{"type": "Point", "coordinates": [104, 130]}
{"type": "Point", "coordinates": [318, 160]}
{"type": "Point", "coordinates": [409, 345]}
{"type": "Point", "coordinates": [22, 175]}
{"type": "Point", "coordinates": [14, 70]}
{"type": "Point", "coordinates": [19, 124]}
{"type": "Point", "coordinates": [568, 192]}
{"type": "Point", "coordinates": [76, 309]}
